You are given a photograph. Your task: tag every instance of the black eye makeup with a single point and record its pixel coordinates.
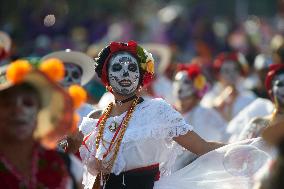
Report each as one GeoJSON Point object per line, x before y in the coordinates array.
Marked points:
{"type": "Point", "coordinates": [116, 67]}
{"type": "Point", "coordinates": [76, 75]}
{"type": "Point", "coordinates": [132, 67]}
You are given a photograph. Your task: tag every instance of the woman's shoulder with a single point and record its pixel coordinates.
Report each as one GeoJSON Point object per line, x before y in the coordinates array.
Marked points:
{"type": "Point", "coordinates": [156, 102]}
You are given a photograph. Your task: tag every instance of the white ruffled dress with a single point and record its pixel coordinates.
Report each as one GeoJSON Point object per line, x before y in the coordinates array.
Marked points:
{"type": "Point", "coordinates": [148, 139]}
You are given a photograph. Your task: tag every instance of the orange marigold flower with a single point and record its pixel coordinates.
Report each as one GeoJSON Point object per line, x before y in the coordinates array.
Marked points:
{"type": "Point", "coordinates": [78, 94]}
{"type": "Point", "coordinates": [53, 68]}
{"type": "Point", "coordinates": [17, 70]}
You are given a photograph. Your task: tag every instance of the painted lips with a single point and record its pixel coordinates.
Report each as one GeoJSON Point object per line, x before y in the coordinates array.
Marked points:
{"type": "Point", "coordinates": [125, 83]}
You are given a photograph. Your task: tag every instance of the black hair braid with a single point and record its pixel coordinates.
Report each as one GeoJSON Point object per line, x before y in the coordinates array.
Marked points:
{"type": "Point", "coordinates": [100, 60]}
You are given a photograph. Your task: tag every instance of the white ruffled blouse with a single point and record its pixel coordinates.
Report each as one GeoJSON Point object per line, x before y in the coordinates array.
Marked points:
{"type": "Point", "coordinates": [148, 138]}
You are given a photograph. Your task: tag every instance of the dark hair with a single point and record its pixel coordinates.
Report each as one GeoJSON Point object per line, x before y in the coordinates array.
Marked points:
{"type": "Point", "coordinates": [100, 60]}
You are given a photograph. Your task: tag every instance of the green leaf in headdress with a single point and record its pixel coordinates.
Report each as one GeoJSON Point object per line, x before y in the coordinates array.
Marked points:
{"type": "Point", "coordinates": [141, 54]}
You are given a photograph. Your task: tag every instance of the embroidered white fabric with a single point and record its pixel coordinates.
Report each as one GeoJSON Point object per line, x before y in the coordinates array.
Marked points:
{"type": "Point", "coordinates": [147, 140]}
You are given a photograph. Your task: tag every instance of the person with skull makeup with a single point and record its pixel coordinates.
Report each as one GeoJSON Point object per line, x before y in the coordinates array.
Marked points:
{"type": "Point", "coordinates": [35, 113]}
{"type": "Point", "coordinates": [78, 70]}
{"type": "Point", "coordinates": [274, 85]}
{"type": "Point", "coordinates": [228, 95]}
{"type": "Point", "coordinates": [135, 141]}
{"type": "Point", "coordinates": [190, 85]}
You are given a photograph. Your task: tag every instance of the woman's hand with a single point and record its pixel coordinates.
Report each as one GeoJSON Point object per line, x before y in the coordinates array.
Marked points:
{"type": "Point", "coordinates": [194, 143]}
{"type": "Point", "coordinates": [74, 142]}
{"type": "Point", "coordinates": [95, 166]}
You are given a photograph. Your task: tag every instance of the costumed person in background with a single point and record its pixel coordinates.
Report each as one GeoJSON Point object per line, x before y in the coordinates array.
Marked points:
{"type": "Point", "coordinates": [5, 47]}
{"type": "Point", "coordinates": [261, 67]}
{"type": "Point", "coordinates": [79, 70]}
{"type": "Point", "coordinates": [190, 86]}
{"type": "Point", "coordinates": [227, 95]}
{"type": "Point", "coordinates": [135, 141]}
{"type": "Point", "coordinates": [274, 84]}
{"type": "Point", "coordinates": [260, 107]}
{"type": "Point", "coordinates": [35, 113]}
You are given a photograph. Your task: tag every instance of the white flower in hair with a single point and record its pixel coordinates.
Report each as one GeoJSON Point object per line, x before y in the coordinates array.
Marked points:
{"type": "Point", "coordinates": [149, 56]}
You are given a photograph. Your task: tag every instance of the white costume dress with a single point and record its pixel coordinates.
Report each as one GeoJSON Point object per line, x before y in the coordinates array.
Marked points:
{"type": "Point", "coordinates": [148, 140]}
{"type": "Point", "coordinates": [230, 167]}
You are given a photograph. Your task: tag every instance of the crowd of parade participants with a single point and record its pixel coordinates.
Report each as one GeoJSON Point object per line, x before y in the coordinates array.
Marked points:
{"type": "Point", "coordinates": [198, 124]}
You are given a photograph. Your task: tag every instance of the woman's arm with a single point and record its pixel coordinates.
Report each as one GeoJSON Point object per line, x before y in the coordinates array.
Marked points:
{"type": "Point", "coordinates": [194, 143]}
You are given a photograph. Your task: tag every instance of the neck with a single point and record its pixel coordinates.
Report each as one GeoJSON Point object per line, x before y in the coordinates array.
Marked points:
{"type": "Point", "coordinates": [120, 108]}
{"type": "Point", "coordinates": [17, 149]}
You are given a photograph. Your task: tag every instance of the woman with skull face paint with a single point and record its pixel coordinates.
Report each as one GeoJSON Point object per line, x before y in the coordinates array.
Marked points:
{"type": "Point", "coordinates": [135, 141]}
{"type": "Point", "coordinates": [35, 113]}
{"type": "Point", "coordinates": [228, 96]}
{"type": "Point", "coordinates": [190, 86]}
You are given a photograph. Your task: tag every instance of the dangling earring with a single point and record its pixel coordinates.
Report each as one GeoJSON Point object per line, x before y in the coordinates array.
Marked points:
{"type": "Point", "coordinates": [139, 88]}
{"type": "Point", "coordinates": [108, 88]}
{"type": "Point", "coordinates": [276, 107]}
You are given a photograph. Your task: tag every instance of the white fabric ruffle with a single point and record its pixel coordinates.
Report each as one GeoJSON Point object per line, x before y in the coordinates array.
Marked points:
{"type": "Point", "coordinates": [232, 166]}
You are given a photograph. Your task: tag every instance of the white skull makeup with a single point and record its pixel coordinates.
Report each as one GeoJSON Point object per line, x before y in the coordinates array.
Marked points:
{"type": "Point", "coordinates": [73, 75]}
{"type": "Point", "coordinates": [123, 73]}
{"type": "Point", "coordinates": [278, 88]}
{"type": "Point", "coordinates": [183, 86]}
{"type": "Point", "coordinates": [230, 72]}
{"type": "Point", "coordinates": [22, 108]}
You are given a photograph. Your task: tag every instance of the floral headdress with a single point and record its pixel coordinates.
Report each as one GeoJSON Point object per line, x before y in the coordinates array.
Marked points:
{"type": "Point", "coordinates": [144, 58]}
{"type": "Point", "coordinates": [57, 105]}
{"type": "Point", "coordinates": [231, 56]}
{"type": "Point", "coordinates": [195, 75]}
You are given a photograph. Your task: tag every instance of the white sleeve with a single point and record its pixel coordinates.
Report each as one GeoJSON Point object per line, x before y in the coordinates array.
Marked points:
{"type": "Point", "coordinates": [171, 120]}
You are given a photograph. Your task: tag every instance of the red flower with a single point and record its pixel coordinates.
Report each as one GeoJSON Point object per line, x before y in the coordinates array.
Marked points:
{"type": "Point", "coordinates": [147, 78]}
{"type": "Point", "coordinates": [193, 70]}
